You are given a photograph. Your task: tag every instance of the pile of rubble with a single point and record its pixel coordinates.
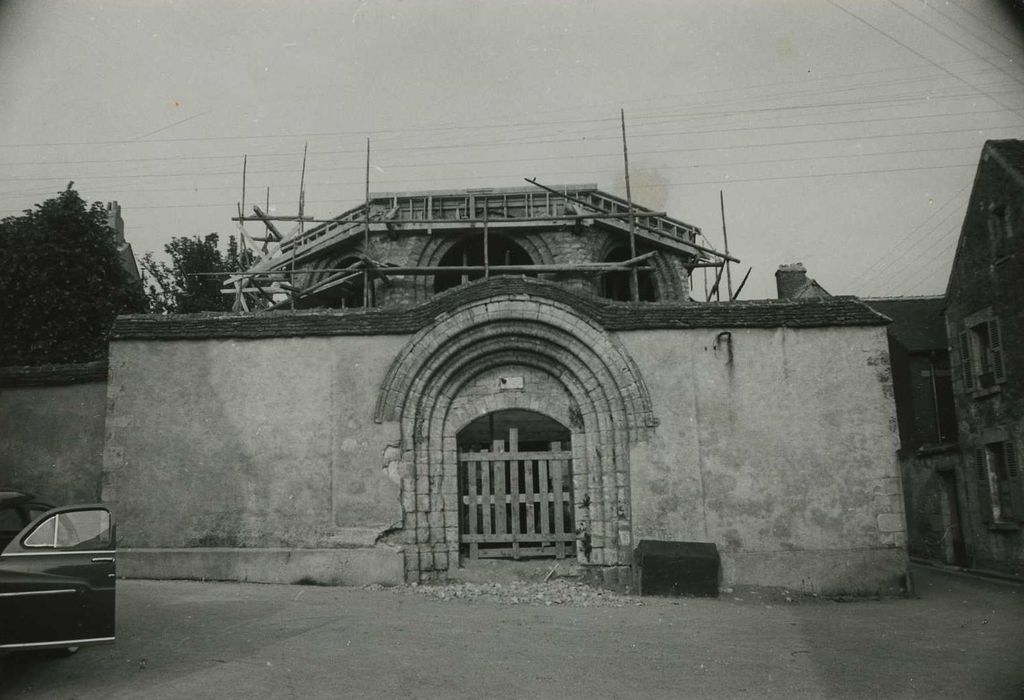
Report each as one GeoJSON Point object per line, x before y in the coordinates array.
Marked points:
{"type": "Point", "coordinates": [554, 592]}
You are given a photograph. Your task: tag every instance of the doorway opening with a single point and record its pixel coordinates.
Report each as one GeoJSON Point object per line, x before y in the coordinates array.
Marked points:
{"type": "Point", "coordinates": [955, 549]}
{"type": "Point", "coordinates": [515, 487]}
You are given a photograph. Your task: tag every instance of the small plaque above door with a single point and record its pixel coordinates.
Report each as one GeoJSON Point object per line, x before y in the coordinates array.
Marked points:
{"type": "Point", "coordinates": [510, 383]}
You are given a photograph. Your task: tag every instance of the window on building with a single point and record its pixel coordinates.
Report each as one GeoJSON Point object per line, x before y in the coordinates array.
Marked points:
{"type": "Point", "coordinates": [470, 252]}
{"type": "Point", "coordinates": [942, 394]}
{"type": "Point", "coordinates": [999, 229]}
{"type": "Point", "coordinates": [616, 285]}
{"type": "Point", "coordinates": [981, 355]}
{"type": "Point", "coordinates": [999, 489]}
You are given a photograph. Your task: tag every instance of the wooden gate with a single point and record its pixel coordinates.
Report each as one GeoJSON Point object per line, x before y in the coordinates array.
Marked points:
{"type": "Point", "coordinates": [515, 504]}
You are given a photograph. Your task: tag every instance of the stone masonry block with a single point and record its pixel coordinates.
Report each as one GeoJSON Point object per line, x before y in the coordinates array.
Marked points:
{"type": "Point", "coordinates": [436, 520]}
{"type": "Point", "coordinates": [887, 504]}
{"type": "Point", "coordinates": [426, 560]}
{"type": "Point", "coordinates": [422, 484]}
{"type": "Point", "coordinates": [441, 560]}
{"type": "Point", "coordinates": [890, 522]}
{"type": "Point", "coordinates": [890, 486]}
{"type": "Point", "coordinates": [411, 559]}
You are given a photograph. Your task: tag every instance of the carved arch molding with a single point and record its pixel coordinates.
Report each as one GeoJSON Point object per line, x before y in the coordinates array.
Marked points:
{"type": "Point", "coordinates": [610, 410]}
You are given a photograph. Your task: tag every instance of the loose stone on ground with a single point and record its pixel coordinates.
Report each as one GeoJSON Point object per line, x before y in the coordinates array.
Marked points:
{"type": "Point", "coordinates": [555, 592]}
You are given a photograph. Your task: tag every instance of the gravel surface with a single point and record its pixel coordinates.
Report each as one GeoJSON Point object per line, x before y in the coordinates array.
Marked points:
{"type": "Point", "coordinates": [555, 592]}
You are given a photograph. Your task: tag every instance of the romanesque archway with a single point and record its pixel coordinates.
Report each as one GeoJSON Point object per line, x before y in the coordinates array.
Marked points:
{"type": "Point", "coordinates": [439, 384]}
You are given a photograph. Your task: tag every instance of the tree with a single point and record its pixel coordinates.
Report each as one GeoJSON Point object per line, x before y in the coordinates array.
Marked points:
{"type": "Point", "coordinates": [191, 283]}
{"type": "Point", "coordinates": [61, 283]}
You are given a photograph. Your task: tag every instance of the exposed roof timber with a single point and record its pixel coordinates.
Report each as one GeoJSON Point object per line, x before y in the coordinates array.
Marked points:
{"type": "Point", "coordinates": [586, 187]}
{"type": "Point", "coordinates": [261, 216]}
{"type": "Point", "coordinates": [609, 211]}
{"type": "Point", "coordinates": [660, 237]}
{"type": "Point", "coordinates": [466, 199]}
{"type": "Point", "coordinates": [477, 220]}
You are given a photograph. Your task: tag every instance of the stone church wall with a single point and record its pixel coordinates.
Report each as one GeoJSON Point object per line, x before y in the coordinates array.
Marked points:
{"type": "Point", "coordinates": [260, 459]}
{"type": "Point", "coordinates": [778, 445]}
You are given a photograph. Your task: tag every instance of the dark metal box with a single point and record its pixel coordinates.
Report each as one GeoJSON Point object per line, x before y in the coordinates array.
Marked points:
{"type": "Point", "coordinates": [677, 568]}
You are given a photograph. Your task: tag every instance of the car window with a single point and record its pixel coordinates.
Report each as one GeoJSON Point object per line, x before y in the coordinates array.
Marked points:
{"type": "Point", "coordinates": [42, 536]}
{"type": "Point", "coordinates": [77, 529]}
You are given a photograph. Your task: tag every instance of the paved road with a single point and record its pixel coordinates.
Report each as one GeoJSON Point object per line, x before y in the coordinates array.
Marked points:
{"type": "Point", "coordinates": [961, 638]}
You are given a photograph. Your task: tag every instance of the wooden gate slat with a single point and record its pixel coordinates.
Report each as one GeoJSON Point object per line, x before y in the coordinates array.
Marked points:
{"type": "Point", "coordinates": [545, 495]}
{"type": "Point", "coordinates": [510, 510]}
{"type": "Point", "coordinates": [530, 524]}
{"type": "Point", "coordinates": [514, 492]}
{"type": "Point", "coordinates": [485, 497]}
{"type": "Point", "coordinates": [471, 468]}
{"type": "Point", "coordinates": [500, 502]}
{"type": "Point", "coordinates": [556, 487]}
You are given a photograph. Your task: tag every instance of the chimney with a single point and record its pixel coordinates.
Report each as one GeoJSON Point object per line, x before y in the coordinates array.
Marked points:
{"type": "Point", "coordinates": [790, 280]}
{"type": "Point", "coordinates": [115, 222]}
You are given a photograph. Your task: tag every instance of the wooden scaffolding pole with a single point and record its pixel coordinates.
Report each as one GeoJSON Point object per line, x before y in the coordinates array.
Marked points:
{"type": "Point", "coordinates": [725, 236]}
{"type": "Point", "coordinates": [366, 230]}
{"type": "Point", "coordinates": [302, 201]}
{"type": "Point", "coordinates": [634, 280]}
{"type": "Point", "coordinates": [487, 250]}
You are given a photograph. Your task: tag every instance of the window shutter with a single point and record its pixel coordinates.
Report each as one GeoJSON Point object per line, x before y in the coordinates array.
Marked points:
{"type": "Point", "coordinates": [996, 344]}
{"type": "Point", "coordinates": [967, 371]}
{"type": "Point", "coordinates": [984, 486]}
{"type": "Point", "coordinates": [1013, 476]}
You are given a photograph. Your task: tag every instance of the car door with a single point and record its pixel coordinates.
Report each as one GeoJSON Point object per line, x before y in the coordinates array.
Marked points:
{"type": "Point", "coordinates": [57, 580]}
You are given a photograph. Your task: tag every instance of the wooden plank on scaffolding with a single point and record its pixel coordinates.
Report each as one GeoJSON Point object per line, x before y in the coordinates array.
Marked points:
{"type": "Point", "coordinates": [268, 223]}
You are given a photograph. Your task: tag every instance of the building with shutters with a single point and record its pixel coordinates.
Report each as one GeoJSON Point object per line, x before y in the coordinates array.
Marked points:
{"type": "Point", "coordinates": [929, 449]}
{"type": "Point", "coordinates": [985, 326]}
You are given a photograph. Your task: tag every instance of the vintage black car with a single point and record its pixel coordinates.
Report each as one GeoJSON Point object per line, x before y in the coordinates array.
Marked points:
{"type": "Point", "coordinates": [57, 576]}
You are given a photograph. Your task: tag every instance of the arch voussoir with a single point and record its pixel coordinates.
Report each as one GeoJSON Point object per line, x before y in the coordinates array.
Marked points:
{"type": "Point", "coordinates": [427, 391]}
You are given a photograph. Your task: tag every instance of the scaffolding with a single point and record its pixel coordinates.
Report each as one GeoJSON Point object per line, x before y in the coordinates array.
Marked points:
{"type": "Point", "coordinates": [282, 275]}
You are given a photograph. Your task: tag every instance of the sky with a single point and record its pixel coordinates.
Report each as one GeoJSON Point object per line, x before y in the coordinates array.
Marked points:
{"type": "Point", "coordinates": [843, 134]}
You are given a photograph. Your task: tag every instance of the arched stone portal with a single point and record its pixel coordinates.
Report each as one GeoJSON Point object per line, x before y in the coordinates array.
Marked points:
{"type": "Point", "coordinates": [450, 373]}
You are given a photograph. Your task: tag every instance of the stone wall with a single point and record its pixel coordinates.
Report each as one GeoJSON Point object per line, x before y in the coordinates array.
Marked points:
{"type": "Point", "coordinates": [51, 431]}
{"type": "Point", "coordinates": [545, 246]}
{"type": "Point", "coordinates": [251, 445]}
{"type": "Point", "coordinates": [765, 427]}
{"type": "Point", "coordinates": [778, 445]}
{"type": "Point", "coordinates": [987, 281]}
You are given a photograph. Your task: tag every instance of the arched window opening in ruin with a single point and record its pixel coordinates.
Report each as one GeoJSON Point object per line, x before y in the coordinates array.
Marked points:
{"type": "Point", "coordinates": [470, 251]}
{"type": "Point", "coordinates": [615, 285]}
{"type": "Point", "coordinates": [515, 487]}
